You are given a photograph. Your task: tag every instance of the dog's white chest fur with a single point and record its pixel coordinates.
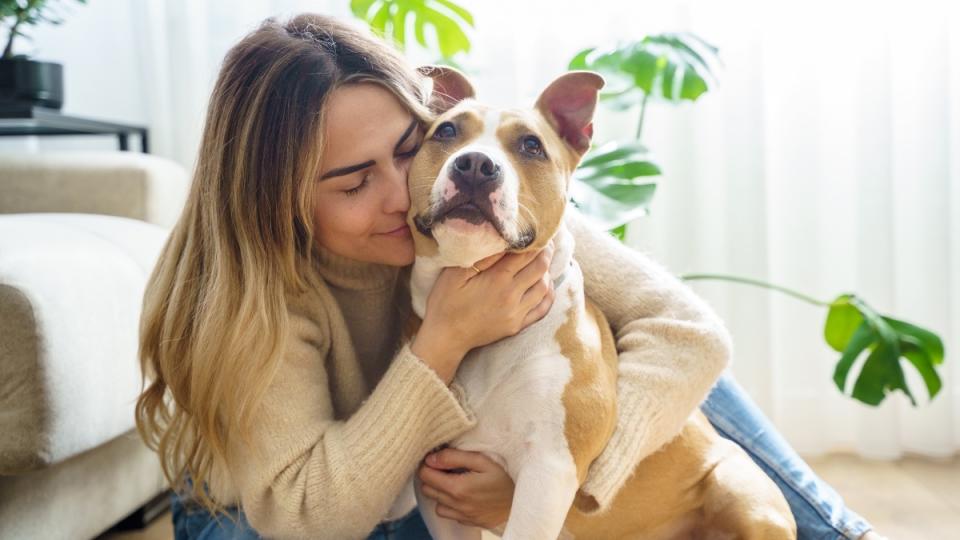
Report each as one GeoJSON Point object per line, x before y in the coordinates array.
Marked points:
{"type": "Point", "coordinates": [515, 387]}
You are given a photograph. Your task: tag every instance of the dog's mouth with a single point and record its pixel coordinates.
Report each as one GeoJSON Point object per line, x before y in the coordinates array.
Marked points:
{"type": "Point", "coordinates": [468, 210]}
{"type": "Point", "coordinates": [458, 207]}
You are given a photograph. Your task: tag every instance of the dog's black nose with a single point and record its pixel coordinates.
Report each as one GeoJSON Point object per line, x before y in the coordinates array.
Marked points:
{"type": "Point", "coordinates": [474, 168]}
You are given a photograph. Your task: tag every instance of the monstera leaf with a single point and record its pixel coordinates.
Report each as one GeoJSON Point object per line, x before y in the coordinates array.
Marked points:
{"type": "Point", "coordinates": [609, 186]}
{"type": "Point", "coordinates": [853, 327]}
{"type": "Point", "coordinates": [672, 66]}
{"type": "Point", "coordinates": [389, 18]}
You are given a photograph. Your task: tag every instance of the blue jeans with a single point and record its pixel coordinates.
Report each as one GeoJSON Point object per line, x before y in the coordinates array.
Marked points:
{"type": "Point", "coordinates": [193, 523]}
{"type": "Point", "coordinates": [817, 508]}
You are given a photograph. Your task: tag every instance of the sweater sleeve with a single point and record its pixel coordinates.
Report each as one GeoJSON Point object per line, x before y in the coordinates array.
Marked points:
{"type": "Point", "coordinates": [671, 347]}
{"type": "Point", "coordinates": [303, 474]}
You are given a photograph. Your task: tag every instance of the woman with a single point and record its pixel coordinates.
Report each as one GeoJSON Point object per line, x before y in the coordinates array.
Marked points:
{"type": "Point", "coordinates": [270, 331]}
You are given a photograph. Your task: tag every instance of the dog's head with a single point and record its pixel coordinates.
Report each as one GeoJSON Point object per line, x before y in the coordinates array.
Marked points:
{"type": "Point", "coordinates": [488, 180]}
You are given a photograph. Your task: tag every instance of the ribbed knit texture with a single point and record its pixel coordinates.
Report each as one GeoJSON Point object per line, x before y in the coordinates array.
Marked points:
{"type": "Point", "coordinates": [351, 412]}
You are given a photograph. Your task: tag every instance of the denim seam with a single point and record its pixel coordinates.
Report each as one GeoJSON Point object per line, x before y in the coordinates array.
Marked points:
{"type": "Point", "coordinates": [727, 430]}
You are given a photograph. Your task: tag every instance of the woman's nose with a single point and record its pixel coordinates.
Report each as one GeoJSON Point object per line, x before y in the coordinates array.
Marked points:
{"type": "Point", "coordinates": [398, 199]}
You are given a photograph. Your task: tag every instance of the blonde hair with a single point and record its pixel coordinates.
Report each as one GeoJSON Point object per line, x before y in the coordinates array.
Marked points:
{"type": "Point", "coordinates": [214, 310]}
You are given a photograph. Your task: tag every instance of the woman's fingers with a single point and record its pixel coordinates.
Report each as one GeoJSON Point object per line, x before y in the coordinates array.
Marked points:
{"type": "Point", "coordinates": [454, 458]}
{"type": "Point", "coordinates": [542, 295]}
{"type": "Point", "coordinates": [440, 481]}
{"type": "Point", "coordinates": [512, 263]}
{"type": "Point", "coordinates": [450, 513]}
{"type": "Point", "coordinates": [439, 496]}
{"type": "Point", "coordinates": [487, 262]}
{"type": "Point", "coordinates": [536, 269]}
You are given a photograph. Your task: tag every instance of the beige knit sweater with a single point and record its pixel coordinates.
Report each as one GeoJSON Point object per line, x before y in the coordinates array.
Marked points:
{"type": "Point", "coordinates": [351, 413]}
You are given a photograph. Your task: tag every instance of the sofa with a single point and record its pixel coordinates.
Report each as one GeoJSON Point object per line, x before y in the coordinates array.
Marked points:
{"type": "Point", "coordinates": [79, 235]}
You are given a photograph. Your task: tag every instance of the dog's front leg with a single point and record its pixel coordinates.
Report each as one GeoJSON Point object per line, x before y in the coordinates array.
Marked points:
{"type": "Point", "coordinates": [441, 528]}
{"type": "Point", "coordinates": [544, 489]}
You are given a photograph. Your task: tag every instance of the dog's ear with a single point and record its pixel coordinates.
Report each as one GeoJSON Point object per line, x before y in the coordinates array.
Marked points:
{"type": "Point", "coordinates": [568, 104]}
{"type": "Point", "coordinates": [450, 87]}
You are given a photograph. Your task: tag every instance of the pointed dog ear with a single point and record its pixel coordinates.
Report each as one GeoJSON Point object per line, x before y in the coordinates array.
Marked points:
{"type": "Point", "coordinates": [568, 104]}
{"type": "Point", "coordinates": [450, 87]}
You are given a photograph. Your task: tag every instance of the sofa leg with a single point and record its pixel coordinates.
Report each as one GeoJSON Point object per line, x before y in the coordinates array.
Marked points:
{"type": "Point", "coordinates": [141, 517]}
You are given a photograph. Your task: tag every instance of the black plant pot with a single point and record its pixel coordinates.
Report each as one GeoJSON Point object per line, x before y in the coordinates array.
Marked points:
{"type": "Point", "coordinates": [25, 82]}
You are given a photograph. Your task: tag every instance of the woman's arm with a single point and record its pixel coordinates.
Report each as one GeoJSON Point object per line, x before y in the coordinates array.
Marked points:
{"type": "Point", "coordinates": [301, 473]}
{"type": "Point", "coordinates": [672, 348]}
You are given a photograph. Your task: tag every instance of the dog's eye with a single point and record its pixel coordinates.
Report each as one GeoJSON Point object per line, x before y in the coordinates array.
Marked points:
{"type": "Point", "coordinates": [532, 145]}
{"type": "Point", "coordinates": [445, 130]}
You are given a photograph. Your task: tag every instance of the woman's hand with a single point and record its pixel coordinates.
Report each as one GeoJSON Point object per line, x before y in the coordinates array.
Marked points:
{"type": "Point", "coordinates": [469, 487]}
{"type": "Point", "coordinates": [466, 309]}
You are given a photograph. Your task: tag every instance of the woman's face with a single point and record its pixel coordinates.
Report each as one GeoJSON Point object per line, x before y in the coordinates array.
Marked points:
{"type": "Point", "coordinates": [361, 196]}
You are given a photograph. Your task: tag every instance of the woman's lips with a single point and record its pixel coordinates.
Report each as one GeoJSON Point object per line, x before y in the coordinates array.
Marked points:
{"type": "Point", "coordinates": [399, 231]}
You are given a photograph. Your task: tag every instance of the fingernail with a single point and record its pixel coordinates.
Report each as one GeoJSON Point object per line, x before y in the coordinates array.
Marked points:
{"type": "Point", "coordinates": [432, 459]}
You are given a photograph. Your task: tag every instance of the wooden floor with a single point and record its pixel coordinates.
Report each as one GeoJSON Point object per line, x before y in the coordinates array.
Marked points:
{"type": "Point", "coordinates": [910, 499]}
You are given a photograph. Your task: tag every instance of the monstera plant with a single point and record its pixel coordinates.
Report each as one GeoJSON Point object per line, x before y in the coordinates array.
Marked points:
{"type": "Point", "coordinates": [614, 185]}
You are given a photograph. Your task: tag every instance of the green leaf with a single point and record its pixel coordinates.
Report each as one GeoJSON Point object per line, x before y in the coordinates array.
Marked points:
{"type": "Point", "coordinates": [622, 100]}
{"type": "Point", "coordinates": [644, 67]}
{"type": "Point", "coordinates": [400, 24]}
{"type": "Point", "coordinates": [611, 151]}
{"type": "Point", "coordinates": [668, 66]}
{"type": "Point", "coordinates": [843, 320]}
{"type": "Point", "coordinates": [390, 18]}
{"type": "Point", "coordinates": [607, 213]}
{"type": "Point", "coordinates": [624, 169]}
{"type": "Point", "coordinates": [459, 10]}
{"type": "Point", "coordinates": [859, 341]}
{"type": "Point", "coordinates": [379, 20]}
{"type": "Point", "coordinates": [360, 8]}
{"type": "Point", "coordinates": [579, 60]}
{"type": "Point", "coordinates": [926, 339]}
{"type": "Point", "coordinates": [881, 370]}
{"type": "Point", "coordinates": [916, 355]}
{"type": "Point", "coordinates": [888, 340]}
{"type": "Point", "coordinates": [450, 36]}
{"type": "Point", "coordinates": [418, 30]}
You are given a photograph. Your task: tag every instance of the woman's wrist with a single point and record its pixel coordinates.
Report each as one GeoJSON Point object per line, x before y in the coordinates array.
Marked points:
{"type": "Point", "coordinates": [437, 351]}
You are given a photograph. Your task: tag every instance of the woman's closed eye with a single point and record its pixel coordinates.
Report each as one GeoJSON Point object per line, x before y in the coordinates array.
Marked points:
{"type": "Point", "coordinates": [363, 183]}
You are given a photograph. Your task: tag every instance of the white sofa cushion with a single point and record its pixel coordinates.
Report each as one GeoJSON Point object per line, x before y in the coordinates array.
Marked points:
{"type": "Point", "coordinates": [71, 288]}
{"type": "Point", "coordinates": [125, 184]}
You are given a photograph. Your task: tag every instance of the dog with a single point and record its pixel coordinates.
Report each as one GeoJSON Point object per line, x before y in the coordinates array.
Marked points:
{"type": "Point", "coordinates": [486, 181]}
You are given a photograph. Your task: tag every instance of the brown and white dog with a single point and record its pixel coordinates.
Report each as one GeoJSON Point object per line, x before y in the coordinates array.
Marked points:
{"type": "Point", "coordinates": [488, 180]}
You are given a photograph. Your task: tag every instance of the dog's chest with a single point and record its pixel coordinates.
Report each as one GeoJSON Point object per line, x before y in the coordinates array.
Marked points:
{"type": "Point", "coordinates": [516, 385]}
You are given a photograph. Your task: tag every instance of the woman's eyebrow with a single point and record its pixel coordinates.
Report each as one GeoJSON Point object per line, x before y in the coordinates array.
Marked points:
{"type": "Point", "coordinates": [353, 168]}
{"type": "Point", "coordinates": [347, 170]}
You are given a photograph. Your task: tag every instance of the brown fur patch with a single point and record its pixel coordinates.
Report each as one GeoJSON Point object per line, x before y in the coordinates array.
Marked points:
{"type": "Point", "coordinates": [590, 398]}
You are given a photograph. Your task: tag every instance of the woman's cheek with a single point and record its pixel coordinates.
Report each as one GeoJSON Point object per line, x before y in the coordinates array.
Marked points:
{"type": "Point", "coordinates": [360, 216]}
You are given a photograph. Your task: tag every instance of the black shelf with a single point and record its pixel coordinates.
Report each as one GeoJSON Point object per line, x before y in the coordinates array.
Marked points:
{"type": "Point", "coordinates": [33, 120]}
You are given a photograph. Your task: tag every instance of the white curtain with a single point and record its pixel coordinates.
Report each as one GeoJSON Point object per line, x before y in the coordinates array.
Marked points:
{"type": "Point", "coordinates": [827, 161]}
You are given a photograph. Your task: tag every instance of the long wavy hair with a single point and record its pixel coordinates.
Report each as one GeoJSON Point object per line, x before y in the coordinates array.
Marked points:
{"type": "Point", "coordinates": [214, 311]}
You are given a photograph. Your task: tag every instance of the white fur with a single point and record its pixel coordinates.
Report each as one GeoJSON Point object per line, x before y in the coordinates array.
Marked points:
{"type": "Point", "coordinates": [515, 387]}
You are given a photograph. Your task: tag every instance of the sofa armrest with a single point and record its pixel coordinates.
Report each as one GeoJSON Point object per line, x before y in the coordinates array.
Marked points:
{"type": "Point", "coordinates": [71, 288]}
{"type": "Point", "coordinates": [125, 184]}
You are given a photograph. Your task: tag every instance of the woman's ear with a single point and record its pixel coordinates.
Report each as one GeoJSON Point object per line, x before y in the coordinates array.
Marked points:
{"type": "Point", "coordinates": [450, 86]}
{"type": "Point", "coordinates": [568, 104]}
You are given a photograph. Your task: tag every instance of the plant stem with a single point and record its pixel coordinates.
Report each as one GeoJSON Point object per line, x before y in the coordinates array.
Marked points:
{"type": "Point", "coordinates": [8, 50]}
{"type": "Point", "coordinates": [643, 112]}
{"type": "Point", "coordinates": [748, 281]}
{"type": "Point", "coordinates": [21, 16]}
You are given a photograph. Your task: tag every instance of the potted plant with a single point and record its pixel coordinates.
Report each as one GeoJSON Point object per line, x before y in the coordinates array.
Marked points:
{"type": "Point", "coordinates": [23, 81]}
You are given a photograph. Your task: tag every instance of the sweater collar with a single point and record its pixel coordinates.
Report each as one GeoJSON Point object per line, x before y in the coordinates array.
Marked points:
{"type": "Point", "coordinates": [347, 273]}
